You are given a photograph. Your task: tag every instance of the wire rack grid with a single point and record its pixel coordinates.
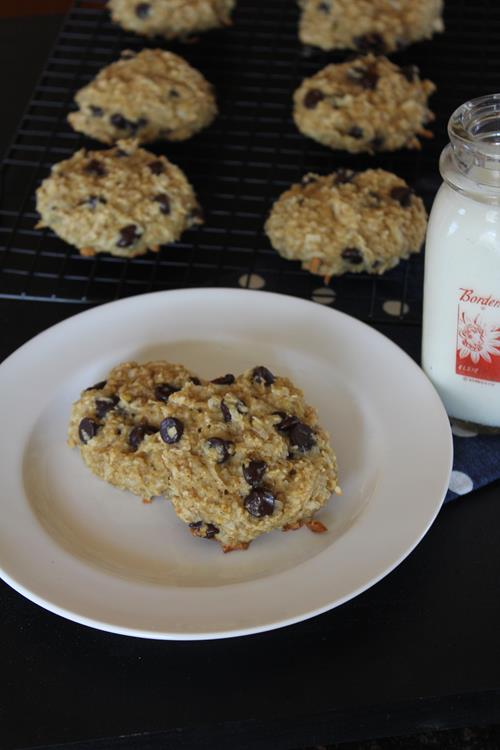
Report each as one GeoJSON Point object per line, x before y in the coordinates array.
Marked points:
{"type": "Point", "coordinates": [238, 166]}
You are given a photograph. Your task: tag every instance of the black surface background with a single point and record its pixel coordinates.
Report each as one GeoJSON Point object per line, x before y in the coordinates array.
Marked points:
{"type": "Point", "coordinates": [418, 650]}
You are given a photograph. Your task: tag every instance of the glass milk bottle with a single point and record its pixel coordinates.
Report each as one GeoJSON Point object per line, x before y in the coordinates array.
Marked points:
{"type": "Point", "coordinates": [461, 325]}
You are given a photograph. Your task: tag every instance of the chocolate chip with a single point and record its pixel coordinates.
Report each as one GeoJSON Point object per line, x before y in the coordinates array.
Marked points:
{"type": "Point", "coordinates": [195, 381]}
{"type": "Point", "coordinates": [302, 437]}
{"type": "Point", "coordinates": [376, 264]}
{"type": "Point", "coordinates": [352, 255]}
{"type": "Point", "coordinates": [87, 429]}
{"type": "Point", "coordinates": [103, 405]}
{"type": "Point", "coordinates": [260, 502]}
{"type": "Point", "coordinates": [262, 375]}
{"type": "Point", "coordinates": [208, 530]}
{"type": "Point", "coordinates": [97, 387]}
{"type": "Point", "coordinates": [128, 235]}
{"type": "Point", "coordinates": [120, 153]}
{"type": "Point", "coordinates": [410, 72]}
{"type": "Point", "coordinates": [164, 201]}
{"type": "Point", "coordinates": [174, 93]}
{"type": "Point", "coordinates": [119, 121]}
{"type": "Point", "coordinates": [226, 414]}
{"type": "Point", "coordinates": [365, 77]}
{"type": "Point", "coordinates": [122, 123]}
{"type": "Point", "coordinates": [142, 10]}
{"type": "Point", "coordinates": [324, 7]}
{"type": "Point", "coordinates": [402, 195]}
{"type": "Point", "coordinates": [163, 391]}
{"type": "Point", "coordinates": [157, 167]}
{"type": "Point", "coordinates": [254, 472]}
{"type": "Point", "coordinates": [224, 379]}
{"type": "Point", "coordinates": [370, 79]}
{"type": "Point", "coordinates": [139, 123]}
{"type": "Point", "coordinates": [138, 433]}
{"type": "Point", "coordinates": [93, 200]}
{"type": "Point", "coordinates": [343, 176]}
{"type": "Point", "coordinates": [95, 167]}
{"type": "Point", "coordinates": [313, 98]}
{"type": "Point", "coordinates": [356, 132]}
{"type": "Point", "coordinates": [171, 430]}
{"type": "Point", "coordinates": [377, 142]}
{"type": "Point", "coordinates": [223, 448]}
{"type": "Point", "coordinates": [371, 42]}
{"type": "Point", "coordinates": [287, 421]}
{"type": "Point", "coordinates": [96, 111]}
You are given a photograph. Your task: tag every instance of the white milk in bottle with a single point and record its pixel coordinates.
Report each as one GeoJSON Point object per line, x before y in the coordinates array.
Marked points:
{"type": "Point", "coordinates": [461, 325]}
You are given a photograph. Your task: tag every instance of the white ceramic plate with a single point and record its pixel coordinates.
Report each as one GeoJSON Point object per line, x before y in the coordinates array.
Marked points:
{"type": "Point", "coordinates": [97, 555]}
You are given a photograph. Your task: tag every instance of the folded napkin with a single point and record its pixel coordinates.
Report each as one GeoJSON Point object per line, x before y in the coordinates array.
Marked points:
{"type": "Point", "coordinates": [476, 461]}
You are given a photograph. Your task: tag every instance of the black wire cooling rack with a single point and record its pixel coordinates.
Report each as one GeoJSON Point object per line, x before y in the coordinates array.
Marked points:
{"type": "Point", "coordinates": [238, 166]}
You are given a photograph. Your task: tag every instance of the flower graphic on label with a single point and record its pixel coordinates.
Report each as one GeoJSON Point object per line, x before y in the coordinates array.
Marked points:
{"type": "Point", "coordinates": [477, 339]}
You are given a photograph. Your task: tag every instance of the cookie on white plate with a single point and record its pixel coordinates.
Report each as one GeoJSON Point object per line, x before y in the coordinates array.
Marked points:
{"type": "Point", "coordinates": [116, 425]}
{"type": "Point", "coordinates": [247, 456]}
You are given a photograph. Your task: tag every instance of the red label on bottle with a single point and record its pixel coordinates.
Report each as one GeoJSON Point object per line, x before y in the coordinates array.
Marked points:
{"type": "Point", "coordinates": [478, 336]}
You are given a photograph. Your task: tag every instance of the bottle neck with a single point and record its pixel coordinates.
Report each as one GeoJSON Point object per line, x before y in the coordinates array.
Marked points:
{"type": "Point", "coordinates": [471, 163]}
{"type": "Point", "coordinates": [472, 183]}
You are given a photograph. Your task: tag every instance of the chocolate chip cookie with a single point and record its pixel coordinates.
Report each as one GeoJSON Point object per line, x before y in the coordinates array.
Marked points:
{"type": "Point", "coordinates": [369, 25]}
{"type": "Point", "coordinates": [171, 18]}
{"type": "Point", "coordinates": [251, 458]}
{"type": "Point", "coordinates": [124, 201]}
{"type": "Point", "coordinates": [117, 425]}
{"type": "Point", "coordinates": [149, 96]}
{"type": "Point", "coordinates": [348, 222]}
{"type": "Point", "coordinates": [365, 105]}
{"type": "Point", "coordinates": [237, 456]}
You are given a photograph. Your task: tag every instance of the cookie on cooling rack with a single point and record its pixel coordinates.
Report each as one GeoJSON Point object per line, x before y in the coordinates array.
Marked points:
{"type": "Point", "coordinates": [124, 201]}
{"type": "Point", "coordinates": [247, 456]}
{"type": "Point", "coordinates": [364, 105]}
{"type": "Point", "coordinates": [369, 25]}
{"type": "Point", "coordinates": [116, 424]}
{"type": "Point", "coordinates": [348, 222]}
{"type": "Point", "coordinates": [175, 18]}
{"type": "Point", "coordinates": [151, 95]}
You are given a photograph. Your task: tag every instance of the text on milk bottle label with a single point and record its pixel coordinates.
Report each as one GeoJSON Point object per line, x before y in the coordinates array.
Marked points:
{"type": "Point", "coordinates": [478, 336]}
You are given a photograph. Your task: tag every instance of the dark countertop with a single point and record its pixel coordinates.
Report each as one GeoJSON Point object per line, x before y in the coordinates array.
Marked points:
{"type": "Point", "coordinates": [418, 650]}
